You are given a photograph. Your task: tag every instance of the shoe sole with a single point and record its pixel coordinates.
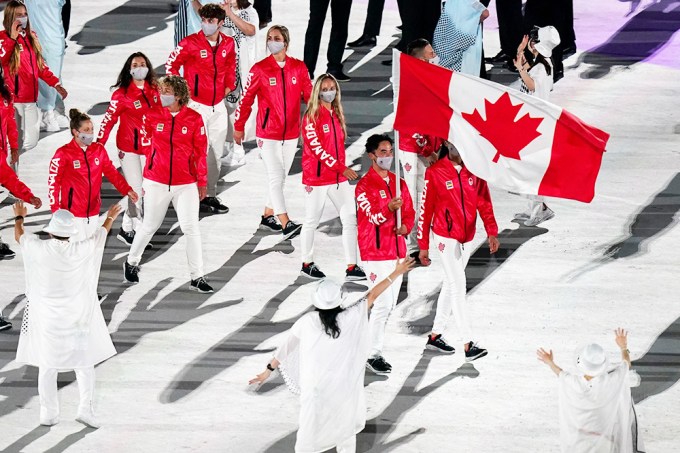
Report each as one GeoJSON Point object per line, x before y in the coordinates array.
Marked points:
{"type": "Point", "coordinates": [7, 257]}
{"type": "Point", "coordinates": [7, 327]}
{"type": "Point", "coordinates": [478, 356]}
{"type": "Point", "coordinates": [80, 420]}
{"type": "Point", "coordinates": [379, 373]}
{"type": "Point", "coordinates": [550, 216]}
{"type": "Point", "coordinates": [193, 288]}
{"type": "Point", "coordinates": [434, 348]}
{"type": "Point", "coordinates": [293, 233]}
{"type": "Point", "coordinates": [523, 217]}
{"type": "Point", "coordinates": [122, 239]}
{"type": "Point", "coordinates": [354, 279]}
{"type": "Point", "coordinates": [49, 423]}
{"type": "Point", "coordinates": [125, 280]}
{"type": "Point", "coordinates": [266, 228]}
{"type": "Point", "coordinates": [304, 274]}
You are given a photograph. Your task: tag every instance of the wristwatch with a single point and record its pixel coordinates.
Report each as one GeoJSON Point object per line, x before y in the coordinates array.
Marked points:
{"type": "Point", "coordinates": [270, 367]}
{"type": "Point", "coordinates": [19, 217]}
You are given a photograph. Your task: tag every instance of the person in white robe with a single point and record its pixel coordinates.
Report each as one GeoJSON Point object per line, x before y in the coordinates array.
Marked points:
{"type": "Point", "coordinates": [323, 360]}
{"type": "Point", "coordinates": [63, 327]}
{"type": "Point", "coordinates": [595, 404]}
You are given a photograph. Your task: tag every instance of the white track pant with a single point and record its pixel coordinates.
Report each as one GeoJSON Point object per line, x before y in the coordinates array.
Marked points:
{"type": "Point", "coordinates": [535, 205]}
{"type": "Point", "coordinates": [157, 198]}
{"type": "Point", "coordinates": [347, 446]}
{"type": "Point", "coordinates": [133, 167]}
{"type": "Point", "coordinates": [451, 300]}
{"type": "Point", "coordinates": [47, 390]}
{"type": "Point", "coordinates": [87, 227]}
{"type": "Point", "coordinates": [27, 117]}
{"type": "Point", "coordinates": [278, 157]}
{"type": "Point", "coordinates": [216, 121]}
{"type": "Point", "coordinates": [377, 271]}
{"type": "Point", "coordinates": [342, 197]}
{"type": "Point", "coordinates": [413, 167]}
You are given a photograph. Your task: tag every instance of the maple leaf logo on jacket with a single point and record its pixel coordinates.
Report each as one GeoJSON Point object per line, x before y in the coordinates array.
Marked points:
{"type": "Point", "coordinates": [508, 136]}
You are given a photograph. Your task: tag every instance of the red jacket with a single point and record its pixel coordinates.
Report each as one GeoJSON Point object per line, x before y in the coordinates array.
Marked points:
{"type": "Point", "coordinates": [129, 105]}
{"type": "Point", "coordinates": [9, 135]}
{"type": "Point", "coordinates": [208, 70]}
{"type": "Point", "coordinates": [450, 203]}
{"type": "Point", "coordinates": [24, 84]}
{"type": "Point", "coordinates": [75, 179]}
{"type": "Point", "coordinates": [423, 145]}
{"type": "Point", "coordinates": [323, 150]}
{"type": "Point", "coordinates": [376, 224]}
{"type": "Point", "coordinates": [10, 181]}
{"type": "Point", "coordinates": [279, 92]}
{"type": "Point", "coordinates": [175, 147]}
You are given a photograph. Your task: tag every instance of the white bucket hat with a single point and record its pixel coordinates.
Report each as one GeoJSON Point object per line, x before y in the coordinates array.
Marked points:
{"type": "Point", "coordinates": [327, 295]}
{"type": "Point", "coordinates": [592, 360]}
{"type": "Point", "coordinates": [548, 39]}
{"type": "Point", "coordinates": [62, 224]}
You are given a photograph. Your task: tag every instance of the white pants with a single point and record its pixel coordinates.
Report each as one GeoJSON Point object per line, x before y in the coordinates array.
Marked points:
{"type": "Point", "coordinates": [278, 157]}
{"type": "Point", "coordinates": [535, 205]}
{"type": "Point", "coordinates": [47, 390]}
{"type": "Point", "coordinates": [347, 446]}
{"type": "Point", "coordinates": [413, 167]}
{"type": "Point", "coordinates": [87, 227]}
{"type": "Point", "coordinates": [216, 121]}
{"type": "Point", "coordinates": [377, 271]}
{"type": "Point", "coordinates": [54, 57]}
{"type": "Point", "coordinates": [342, 197]}
{"type": "Point", "coordinates": [133, 167]}
{"type": "Point", "coordinates": [157, 198]}
{"type": "Point", "coordinates": [27, 117]}
{"type": "Point", "coordinates": [451, 301]}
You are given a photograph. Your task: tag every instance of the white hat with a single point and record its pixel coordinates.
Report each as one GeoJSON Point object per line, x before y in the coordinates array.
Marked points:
{"type": "Point", "coordinates": [548, 39]}
{"type": "Point", "coordinates": [328, 295]}
{"type": "Point", "coordinates": [592, 360]}
{"type": "Point", "coordinates": [62, 224]}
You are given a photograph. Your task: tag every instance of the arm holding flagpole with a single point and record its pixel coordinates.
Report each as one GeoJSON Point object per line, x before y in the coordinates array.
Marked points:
{"type": "Point", "coordinates": [395, 96]}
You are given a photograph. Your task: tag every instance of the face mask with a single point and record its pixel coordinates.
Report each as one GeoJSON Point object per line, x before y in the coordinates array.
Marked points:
{"type": "Point", "coordinates": [209, 29]}
{"type": "Point", "coordinates": [327, 96]}
{"type": "Point", "coordinates": [23, 21]}
{"type": "Point", "coordinates": [384, 162]}
{"type": "Point", "coordinates": [434, 60]}
{"type": "Point", "coordinates": [167, 100]}
{"type": "Point", "coordinates": [275, 46]}
{"type": "Point", "coordinates": [87, 139]}
{"type": "Point", "coordinates": [139, 73]}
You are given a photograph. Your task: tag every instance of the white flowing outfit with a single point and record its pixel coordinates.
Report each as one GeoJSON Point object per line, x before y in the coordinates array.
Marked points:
{"type": "Point", "coordinates": [597, 416]}
{"type": "Point", "coordinates": [63, 327]}
{"type": "Point", "coordinates": [328, 374]}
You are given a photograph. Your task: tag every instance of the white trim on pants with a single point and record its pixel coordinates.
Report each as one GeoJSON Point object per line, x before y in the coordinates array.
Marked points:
{"type": "Point", "coordinates": [342, 197]}
{"type": "Point", "coordinates": [377, 271]}
{"type": "Point", "coordinates": [87, 227]}
{"type": "Point", "coordinates": [277, 157]}
{"type": "Point", "coordinates": [415, 181]}
{"type": "Point", "coordinates": [451, 301]}
{"type": "Point", "coordinates": [27, 117]}
{"type": "Point", "coordinates": [157, 198]}
{"type": "Point", "coordinates": [132, 165]}
{"type": "Point", "coordinates": [47, 391]}
{"type": "Point", "coordinates": [215, 119]}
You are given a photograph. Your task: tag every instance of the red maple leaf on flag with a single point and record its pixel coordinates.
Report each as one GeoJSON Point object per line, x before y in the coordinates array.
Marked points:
{"type": "Point", "coordinates": [508, 136]}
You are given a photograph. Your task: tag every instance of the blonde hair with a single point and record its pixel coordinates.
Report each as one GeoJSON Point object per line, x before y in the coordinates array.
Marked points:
{"type": "Point", "coordinates": [315, 103]}
{"type": "Point", "coordinates": [8, 20]}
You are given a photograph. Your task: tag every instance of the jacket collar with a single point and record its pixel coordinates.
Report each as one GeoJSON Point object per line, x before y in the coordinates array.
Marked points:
{"type": "Point", "coordinates": [374, 175]}
{"type": "Point", "coordinates": [75, 147]}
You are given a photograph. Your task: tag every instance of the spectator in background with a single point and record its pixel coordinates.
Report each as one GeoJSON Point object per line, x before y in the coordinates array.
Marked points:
{"type": "Point", "coordinates": [187, 20]}
{"type": "Point", "coordinates": [510, 27]}
{"type": "Point", "coordinates": [458, 36]}
{"type": "Point", "coordinates": [336, 47]}
{"type": "Point", "coordinates": [371, 26]}
{"type": "Point", "coordinates": [264, 11]}
{"type": "Point", "coordinates": [560, 14]}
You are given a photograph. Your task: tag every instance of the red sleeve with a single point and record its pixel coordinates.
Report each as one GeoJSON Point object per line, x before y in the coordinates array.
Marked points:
{"type": "Point", "coordinates": [201, 153]}
{"type": "Point", "coordinates": [230, 76]}
{"type": "Point", "coordinates": [110, 117]}
{"type": "Point", "coordinates": [113, 175]}
{"type": "Point", "coordinates": [366, 200]}
{"type": "Point", "coordinates": [7, 46]}
{"type": "Point", "coordinates": [306, 84]}
{"type": "Point", "coordinates": [432, 145]}
{"type": "Point", "coordinates": [427, 203]}
{"type": "Point", "coordinates": [55, 178]}
{"type": "Point", "coordinates": [408, 213]}
{"type": "Point", "coordinates": [310, 138]}
{"type": "Point", "coordinates": [12, 132]}
{"type": "Point", "coordinates": [244, 108]}
{"type": "Point", "coordinates": [177, 58]}
{"type": "Point", "coordinates": [485, 208]}
{"type": "Point", "coordinates": [46, 75]}
{"type": "Point", "coordinates": [11, 181]}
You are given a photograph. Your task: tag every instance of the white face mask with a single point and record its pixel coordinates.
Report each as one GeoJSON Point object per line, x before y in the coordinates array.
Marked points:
{"type": "Point", "coordinates": [384, 162]}
{"type": "Point", "coordinates": [275, 46]}
{"type": "Point", "coordinates": [87, 139]}
{"type": "Point", "coordinates": [23, 21]}
{"type": "Point", "coordinates": [167, 100]}
{"type": "Point", "coordinates": [327, 96]}
{"type": "Point", "coordinates": [139, 73]}
{"type": "Point", "coordinates": [209, 29]}
{"type": "Point", "coordinates": [434, 60]}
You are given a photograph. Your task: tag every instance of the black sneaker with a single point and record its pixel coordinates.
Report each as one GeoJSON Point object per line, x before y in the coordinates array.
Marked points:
{"type": "Point", "coordinates": [213, 204]}
{"type": "Point", "coordinates": [340, 76]}
{"type": "Point", "coordinates": [355, 274]}
{"type": "Point", "coordinates": [291, 230]}
{"type": "Point", "coordinates": [438, 344]}
{"type": "Point", "coordinates": [201, 285]}
{"type": "Point", "coordinates": [127, 237]}
{"type": "Point", "coordinates": [6, 253]}
{"type": "Point", "coordinates": [363, 41]}
{"type": "Point", "coordinates": [474, 352]}
{"type": "Point", "coordinates": [131, 273]}
{"type": "Point", "coordinates": [4, 325]}
{"type": "Point", "coordinates": [416, 256]}
{"type": "Point", "coordinates": [378, 365]}
{"type": "Point", "coordinates": [271, 224]}
{"type": "Point", "coordinates": [311, 270]}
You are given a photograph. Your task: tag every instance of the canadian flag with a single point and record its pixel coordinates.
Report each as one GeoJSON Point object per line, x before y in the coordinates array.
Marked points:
{"type": "Point", "coordinates": [512, 140]}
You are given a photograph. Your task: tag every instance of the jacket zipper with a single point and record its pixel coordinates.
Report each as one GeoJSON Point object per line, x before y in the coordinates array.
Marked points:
{"type": "Point", "coordinates": [153, 154]}
{"type": "Point", "coordinates": [16, 85]}
{"type": "Point", "coordinates": [266, 118]}
{"type": "Point", "coordinates": [335, 138]}
{"type": "Point", "coordinates": [283, 80]}
{"type": "Point", "coordinates": [196, 86]}
{"type": "Point", "coordinates": [172, 151]}
{"type": "Point", "coordinates": [89, 185]}
{"type": "Point", "coordinates": [146, 99]}
{"type": "Point", "coordinates": [462, 205]}
{"type": "Point", "coordinates": [396, 236]}
{"type": "Point", "coordinates": [449, 222]}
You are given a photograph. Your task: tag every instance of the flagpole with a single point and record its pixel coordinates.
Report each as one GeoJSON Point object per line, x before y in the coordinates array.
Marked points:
{"type": "Point", "coordinates": [395, 96]}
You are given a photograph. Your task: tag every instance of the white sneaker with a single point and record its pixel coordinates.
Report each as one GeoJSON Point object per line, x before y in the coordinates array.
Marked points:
{"type": "Point", "coordinates": [50, 120]}
{"type": "Point", "coordinates": [62, 121]}
{"type": "Point", "coordinates": [47, 419]}
{"type": "Point", "coordinates": [542, 216]}
{"type": "Point", "coordinates": [88, 419]}
{"type": "Point", "coordinates": [522, 216]}
{"type": "Point", "coordinates": [237, 157]}
{"type": "Point", "coordinates": [227, 149]}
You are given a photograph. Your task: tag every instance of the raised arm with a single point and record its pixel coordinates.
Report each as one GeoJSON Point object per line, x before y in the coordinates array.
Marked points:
{"type": "Point", "coordinates": [401, 268]}
{"type": "Point", "coordinates": [622, 342]}
{"type": "Point", "coordinates": [547, 358]}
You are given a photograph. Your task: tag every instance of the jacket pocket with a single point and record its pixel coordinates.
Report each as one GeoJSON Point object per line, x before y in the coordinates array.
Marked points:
{"type": "Point", "coordinates": [318, 169]}
{"type": "Point", "coordinates": [449, 221]}
{"type": "Point", "coordinates": [136, 135]}
{"type": "Point", "coordinates": [377, 237]}
{"type": "Point", "coordinates": [196, 85]}
{"type": "Point", "coordinates": [70, 198]}
{"type": "Point", "coordinates": [153, 154]}
{"type": "Point", "coordinates": [16, 85]}
{"type": "Point", "coordinates": [266, 118]}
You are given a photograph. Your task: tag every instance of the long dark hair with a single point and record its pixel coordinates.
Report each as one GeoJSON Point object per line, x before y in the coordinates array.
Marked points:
{"type": "Point", "coordinates": [125, 78]}
{"type": "Point", "coordinates": [540, 59]}
{"type": "Point", "coordinates": [329, 320]}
